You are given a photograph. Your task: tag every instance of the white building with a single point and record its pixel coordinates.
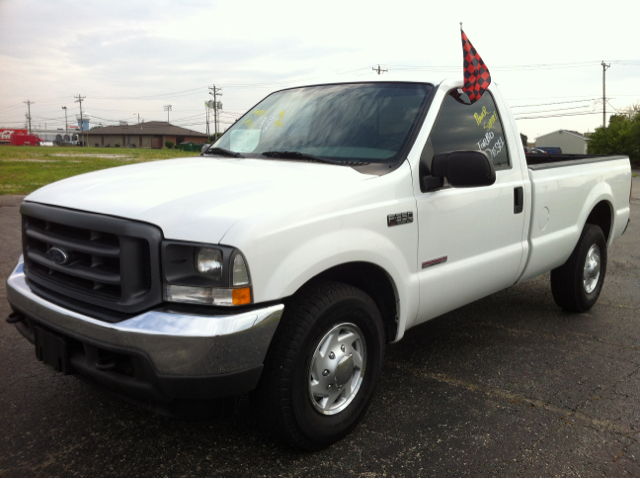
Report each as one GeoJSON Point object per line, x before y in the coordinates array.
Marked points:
{"type": "Point", "coordinates": [570, 142]}
{"type": "Point", "coordinates": [72, 135]}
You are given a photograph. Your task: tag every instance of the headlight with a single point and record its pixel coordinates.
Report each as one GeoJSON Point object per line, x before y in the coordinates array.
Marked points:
{"type": "Point", "coordinates": [203, 274]}
{"type": "Point", "coordinates": [209, 262]}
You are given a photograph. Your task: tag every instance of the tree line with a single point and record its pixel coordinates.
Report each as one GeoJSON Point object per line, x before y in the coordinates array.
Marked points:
{"type": "Point", "coordinates": [621, 137]}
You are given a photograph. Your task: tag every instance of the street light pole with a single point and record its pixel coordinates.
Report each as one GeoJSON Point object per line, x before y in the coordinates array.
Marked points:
{"type": "Point", "coordinates": [65, 122]}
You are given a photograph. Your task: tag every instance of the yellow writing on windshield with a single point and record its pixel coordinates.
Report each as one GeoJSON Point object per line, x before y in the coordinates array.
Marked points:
{"type": "Point", "coordinates": [278, 122]}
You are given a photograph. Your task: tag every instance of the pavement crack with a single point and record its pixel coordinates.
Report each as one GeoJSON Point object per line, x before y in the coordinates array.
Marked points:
{"type": "Point", "coordinates": [515, 398]}
{"type": "Point", "coordinates": [623, 451]}
{"type": "Point", "coordinates": [618, 306]}
{"type": "Point", "coordinates": [585, 338]}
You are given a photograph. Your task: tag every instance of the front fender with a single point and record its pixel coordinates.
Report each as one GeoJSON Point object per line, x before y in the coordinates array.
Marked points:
{"type": "Point", "coordinates": [310, 258]}
{"type": "Point", "coordinates": [288, 246]}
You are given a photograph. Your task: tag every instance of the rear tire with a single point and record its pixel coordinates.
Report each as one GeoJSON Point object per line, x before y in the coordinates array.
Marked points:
{"type": "Point", "coordinates": [576, 285]}
{"type": "Point", "coordinates": [323, 365]}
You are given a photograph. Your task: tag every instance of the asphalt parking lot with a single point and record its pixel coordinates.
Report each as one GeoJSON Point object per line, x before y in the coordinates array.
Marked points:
{"type": "Point", "coordinates": [507, 386]}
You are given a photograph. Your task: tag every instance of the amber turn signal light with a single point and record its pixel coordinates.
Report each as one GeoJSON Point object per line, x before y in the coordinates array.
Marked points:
{"type": "Point", "coordinates": [241, 296]}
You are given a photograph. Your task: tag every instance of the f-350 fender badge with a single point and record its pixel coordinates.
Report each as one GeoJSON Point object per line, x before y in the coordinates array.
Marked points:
{"type": "Point", "coordinates": [400, 219]}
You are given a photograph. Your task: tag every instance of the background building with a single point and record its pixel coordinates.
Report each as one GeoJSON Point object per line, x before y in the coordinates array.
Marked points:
{"type": "Point", "coordinates": [571, 142]}
{"type": "Point", "coordinates": [72, 136]}
{"type": "Point", "coordinates": [152, 134]}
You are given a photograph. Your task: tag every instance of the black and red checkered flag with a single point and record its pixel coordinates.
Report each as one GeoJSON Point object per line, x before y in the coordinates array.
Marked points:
{"type": "Point", "coordinates": [476, 74]}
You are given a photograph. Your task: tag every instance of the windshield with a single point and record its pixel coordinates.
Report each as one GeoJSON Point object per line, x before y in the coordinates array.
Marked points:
{"type": "Point", "coordinates": [350, 122]}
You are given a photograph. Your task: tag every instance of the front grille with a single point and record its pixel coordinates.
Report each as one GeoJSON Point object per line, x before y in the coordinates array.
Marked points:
{"type": "Point", "coordinates": [94, 257]}
{"type": "Point", "coordinates": [105, 262]}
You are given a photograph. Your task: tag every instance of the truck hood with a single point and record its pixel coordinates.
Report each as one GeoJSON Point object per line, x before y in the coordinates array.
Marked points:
{"type": "Point", "coordinates": [199, 199]}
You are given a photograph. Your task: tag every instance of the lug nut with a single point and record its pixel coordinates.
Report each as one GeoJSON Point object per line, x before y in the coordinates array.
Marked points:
{"type": "Point", "coordinates": [326, 372]}
{"type": "Point", "coordinates": [332, 355]}
{"type": "Point", "coordinates": [329, 386]}
{"type": "Point", "coordinates": [343, 348]}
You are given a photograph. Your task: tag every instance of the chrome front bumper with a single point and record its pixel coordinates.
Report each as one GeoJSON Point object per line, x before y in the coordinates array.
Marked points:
{"type": "Point", "coordinates": [177, 344]}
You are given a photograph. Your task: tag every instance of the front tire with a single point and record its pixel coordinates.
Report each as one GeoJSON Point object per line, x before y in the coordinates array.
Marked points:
{"type": "Point", "coordinates": [576, 285]}
{"type": "Point", "coordinates": [323, 365]}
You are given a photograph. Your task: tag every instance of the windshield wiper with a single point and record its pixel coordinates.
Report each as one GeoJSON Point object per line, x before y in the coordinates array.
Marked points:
{"type": "Point", "coordinates": [222, 152]}
{"type": "Point", "coordinates": [297, 155]}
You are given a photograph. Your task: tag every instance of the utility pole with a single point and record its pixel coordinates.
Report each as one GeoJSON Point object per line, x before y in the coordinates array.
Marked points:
{"type": "Point", "coordinates": [80, 99]}
{"type": "Point", "coordinates": [29, 103]}
{"type": "Point", "coordinates": [379, 70]}
{"type": "Point", "coordinates": [167, 108]}
{"type": "Point", "coordinates": [215, 92]}
{"type": "Point", "coordinates": [604, 94]}
{"type": "Point", "coordinates": [138, 117]}
{"type": "Point", "coordinates": [206, 111]}
{"type": "Point", "coordinates": [65, 121]}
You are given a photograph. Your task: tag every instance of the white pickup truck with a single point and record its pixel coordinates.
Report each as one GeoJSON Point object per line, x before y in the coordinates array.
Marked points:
{"type": "Point", "coordinates": [328, 221]}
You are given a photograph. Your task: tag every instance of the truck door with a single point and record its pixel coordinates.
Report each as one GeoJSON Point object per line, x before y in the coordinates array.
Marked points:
{"type": "Point", "coordinates": [471, 240]}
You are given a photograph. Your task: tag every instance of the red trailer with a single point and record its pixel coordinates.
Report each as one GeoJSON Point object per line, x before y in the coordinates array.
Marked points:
{"type": "Point", "coordinates": [21, 140]}
{"type": "Point", "coordinates": [5, 135]}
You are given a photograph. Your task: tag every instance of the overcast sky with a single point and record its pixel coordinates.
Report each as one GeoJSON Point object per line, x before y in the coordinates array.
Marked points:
{"type": "Point", "coordinates": [130, 58]}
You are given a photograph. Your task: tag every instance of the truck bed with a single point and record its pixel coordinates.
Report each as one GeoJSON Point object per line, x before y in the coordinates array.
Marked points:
{"type": "Point", "coordinates": [565, 190]}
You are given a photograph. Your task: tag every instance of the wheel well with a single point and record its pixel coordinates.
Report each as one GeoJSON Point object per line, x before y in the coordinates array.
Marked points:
{"type": "Point", "coordinates": [601, 216]}
{"type": "Point", "coordinates": [374, 281]}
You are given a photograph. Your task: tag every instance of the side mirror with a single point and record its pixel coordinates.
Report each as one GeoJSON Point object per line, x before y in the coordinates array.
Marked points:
{"type": "Point", "coordinates": [463, 169]}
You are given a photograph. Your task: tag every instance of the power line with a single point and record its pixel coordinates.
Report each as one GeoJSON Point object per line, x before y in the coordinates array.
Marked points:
{"type": "Point", "coordinates": [10, 106]}
{"type": "Point", "coordinates": [557, 116]}
{"type": "Point", "coordinates": [531, 66]}
{"type": "Point", "coordinates": [534, 112]}
{"type": "Point", "coordinates": [554, 103]}
{"type": "Point", "coordinates": [154, 97]}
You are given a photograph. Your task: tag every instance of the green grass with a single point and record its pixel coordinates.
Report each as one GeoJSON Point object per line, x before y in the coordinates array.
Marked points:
{"type": "Point", "coordinates": [24, 169]}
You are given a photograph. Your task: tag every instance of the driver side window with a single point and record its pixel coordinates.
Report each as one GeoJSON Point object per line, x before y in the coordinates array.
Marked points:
{"type": "Point", "coordinates": [461, 126]}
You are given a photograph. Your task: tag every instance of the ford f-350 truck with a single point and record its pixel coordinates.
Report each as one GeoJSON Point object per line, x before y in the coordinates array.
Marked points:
{"type": "Point", "coordinates": [327, 222]}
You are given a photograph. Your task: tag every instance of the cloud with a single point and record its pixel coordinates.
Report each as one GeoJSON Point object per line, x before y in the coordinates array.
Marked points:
{"type": "Point", "coordinates": [51, 51]}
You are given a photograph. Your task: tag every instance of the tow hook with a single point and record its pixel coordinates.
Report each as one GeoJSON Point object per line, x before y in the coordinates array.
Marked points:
{"type": "Point", "coordinates": [15, 317]}
{"type": "Point", "coordinates": [106, 364]}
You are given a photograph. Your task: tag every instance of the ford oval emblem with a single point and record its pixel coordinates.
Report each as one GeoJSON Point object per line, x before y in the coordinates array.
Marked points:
{"type": "Point", "coordinates": [58, 255]}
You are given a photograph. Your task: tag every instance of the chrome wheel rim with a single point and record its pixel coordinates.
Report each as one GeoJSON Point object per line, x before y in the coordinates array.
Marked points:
{"type": "Point", "coordinates": [336, 369]}
{"type": "Point", "coordinates": [591, 273]}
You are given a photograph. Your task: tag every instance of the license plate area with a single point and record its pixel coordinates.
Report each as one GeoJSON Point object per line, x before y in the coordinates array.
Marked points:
{"type": "Point", "coordinates": [52, 349]}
